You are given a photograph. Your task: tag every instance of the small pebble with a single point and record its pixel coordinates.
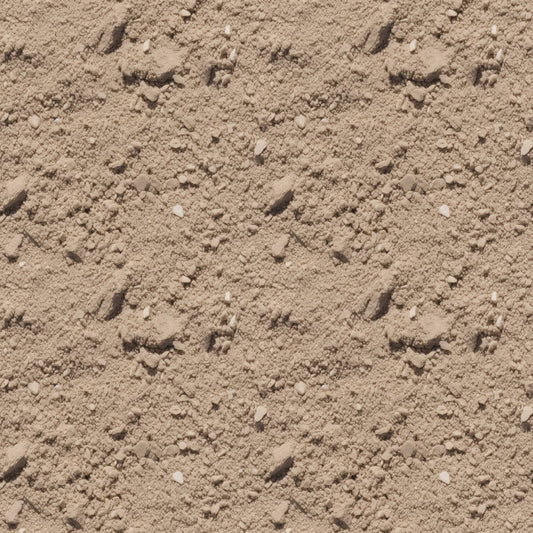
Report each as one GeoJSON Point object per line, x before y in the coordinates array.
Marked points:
{"type": "Point", "coordinates": [34, 387]}
{"type": "Point", "coordinates": [412, 45]}
{"type": "Point", "coordinates": [527, 411]}
{"type": "Point", "coordinates": [444, 477]}
{"type": "Point", "coordinates": [146, 312]}
{"type": "Point", "coordinates": [300, 121]}
{"type": "Point", "coordinates": [260, 413]}
{"type": "Point", "coordinates": [178, 210]}
{"type": "Point", "coordinates": [260, 147]}
{"type": "Point", "coordinates": [300, 388]}
{"type": "Point", "coordinates": [146, 46]}
{"type": "Point", "coordinates": [444, 210]}
{"type": "Point", "coordinates": [178, 477]}
{"type": "Point", "coordinates": [34, 121]}
{"type": "Point", "coordinates": [527, 145]}
{"type": "Point", "coordinates": [412, 312]}
{"type": "Point", "coordinates": [494, 297]}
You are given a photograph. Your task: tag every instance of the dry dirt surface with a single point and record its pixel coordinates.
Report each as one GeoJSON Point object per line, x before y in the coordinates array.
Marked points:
{"type": "Point", "coordinates": [266, 265]}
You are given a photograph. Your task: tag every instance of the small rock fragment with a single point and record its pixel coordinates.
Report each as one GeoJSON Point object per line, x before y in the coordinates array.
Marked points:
{"type": "Point", "coordinates": [408, 449]}
{"type": "Point", "coordinates": [300, 387]}
{"type": "Point", "coordinates": [527, 145]}
{"type": "Point", "coordinates": [375, 36]}
{"type": "Point", "coordinates": [11, 517]}
{"type": "Point", "coordinates": [444, 477]}
{"type": "Point", "coordinates": [282, 459]}
{"type": "Point", "coordinates": [376, 301]}
{"type": "Point", "coordinates": [34, 121]}
{"type": "Point", "coordinates": [13, 194]}
{"type": "Point", "coordinates": [110, 299]}
{"type": "Point", "coordinates": [178, 210]}
{"type": "Point", "coordinates": [141, 449]}
{"type": "Point", "coordinates": [341, 249]}
{"type": "Point", "coordinates": [417, 360]}
{"type": "Point", "coordinates": [260, 147]}
{"type": "Point", "coordinates": [300, 121]}
{"type": "Point", "coordinates": [177, 476]}
{"type": "Point", "coordinates": [278, 514]}
{"type": "Point", "coordinates": [11, 249]}
{"type": "Point", "coordinates": [260, 413]}
{"type": "Point", "coordinates": [75, 516]}
{"type": "Point", "coordinates": [281, 194]}
{"type": "Point", "coordinates": [278, 248]}
{"type": "Point", "coordinates": [527, 411]}
{"type": "Point", "coordinates": [341, 515]}
{"type": "Point", "coordinates": [444, 210]}
{"type": "Point", "coordinates": [158, 67]}
{"type": "Point", "coordinates": [74, 249]}
{"type": "Point", "coordinates": [15, 460]}
{"type": "Point", "coordinates": [109, 35]}
{"type": "Point", "coordinates": [34, 387]}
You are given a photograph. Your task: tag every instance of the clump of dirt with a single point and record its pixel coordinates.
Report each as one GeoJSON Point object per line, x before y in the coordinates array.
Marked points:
{"type": "Point", "coordinates": [266, 266]}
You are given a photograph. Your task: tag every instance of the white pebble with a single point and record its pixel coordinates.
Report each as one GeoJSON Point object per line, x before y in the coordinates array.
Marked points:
{"type": "Point", "coordinates": [260, 413]}
{"type": "Point", "coordinates": [412, 312]}
{"type": "Point", "coordinates": [494, 30]}
{"type": "Point", "coordinates": [300, 388]}
{"type": "Point", "coordinates": [300, 121]}
{"type": "Point", "coordinates": [227, 30]}
{"type": "Point", "coordinates": [146, 312]}
{"type": "Point", "coordinates": [178, 477]}
{"type": "Point", "coordinates": [146, 46]}
{"type": "Point", "coordinates": [499, 322]}
{"type": "Point", "coordinates": [233, 322]}
{"type": "Point", "coordinates": [34, 121]}
{"type": "Point", "coordinates": [227, 297]}
{"type": "Point", "coordinates": [412, 45]}
{"type": "Point", "coordinates": [444, 477]}
{"type": "Point", "coordinates": [527, 411]}
{"type": "Point", "coordinates": [494, 297]}
{"type": "Point", "coordinates": [444, 210]}
{"type": "Point", "coordinates": [499, 55]}
{"type": "Point", "coordinates": [233, 56]}
{"type": "Point", "coordinates": [34, 387]}
{"type": "Point", "coordinates": [178, 210]}
{"type": "Point", "coordinates": [527, 145]}
{"type": "Point", "coordinates": [260, 146]}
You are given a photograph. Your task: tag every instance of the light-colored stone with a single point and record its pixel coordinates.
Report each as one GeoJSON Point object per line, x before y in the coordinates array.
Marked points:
{"type": "Point", "coordinates": [281, 194]}
{"type": "Point", "coordinates": [526, 414]}
{"type": "Point", "coordinates": [11, 249]}
{"type": "Point", "coordinates": [15, 459]}
{"type": "Point", "coordinates": [278, 248]}
{"type": "Point", "coordinates": [278, 517]}
{"type": "Point", "coordinates": [282, 459]}
{"type": "Point", "coordinates": [13, 193]}
{"type": "Point", "coordinates": [11, 516]}
{"type": "Point", "coordinates": [445, 477]}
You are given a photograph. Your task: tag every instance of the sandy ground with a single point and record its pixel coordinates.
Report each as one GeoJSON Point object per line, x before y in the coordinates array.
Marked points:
{"type": "Point", "coordinates": [266, 266]}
